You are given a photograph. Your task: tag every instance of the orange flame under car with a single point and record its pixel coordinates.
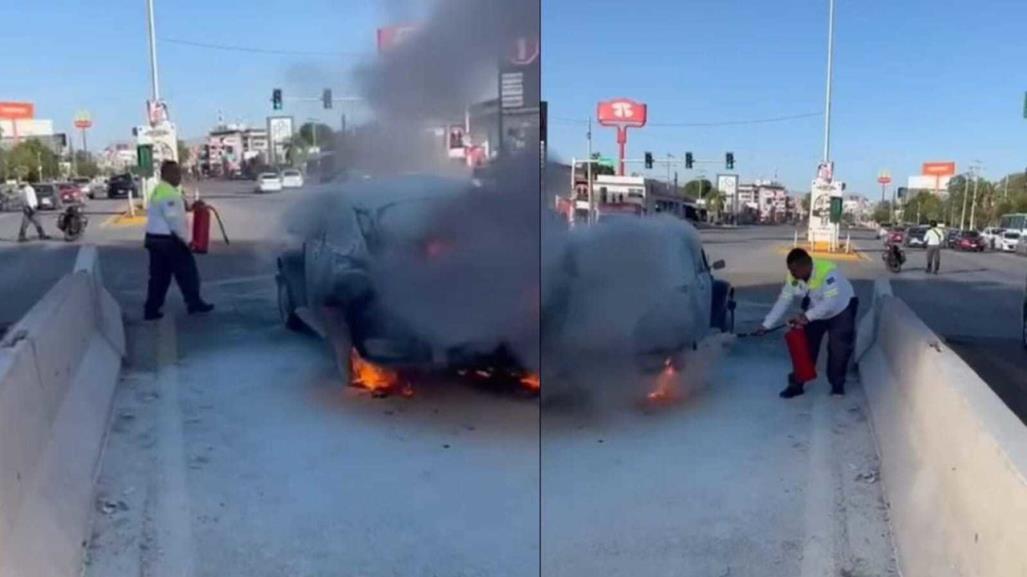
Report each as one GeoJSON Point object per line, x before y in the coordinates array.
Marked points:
{"type": "Point", "coordinates": [380, 381]}
{"type": "Point", "coordinates": [532, 382]}
{"type": "Point", "coordinates": [665, 383]}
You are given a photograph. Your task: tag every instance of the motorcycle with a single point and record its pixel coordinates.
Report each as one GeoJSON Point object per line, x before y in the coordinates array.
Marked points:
{"type": "Point", "coordinates": [72, 222]}
{"type": "Point", "coordinates": [894, 257]}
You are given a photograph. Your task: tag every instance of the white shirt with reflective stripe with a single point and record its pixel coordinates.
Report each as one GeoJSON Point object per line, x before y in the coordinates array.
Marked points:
{"type": "Point", "coordinates": [825, 302]}
{"type": "Point", "coordinates": [167, 216]}
{"type": "Point", "coordinates": [934, 236]}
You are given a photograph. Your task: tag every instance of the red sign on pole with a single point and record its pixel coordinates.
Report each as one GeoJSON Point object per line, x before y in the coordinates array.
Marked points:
{"type": "Point", "coordinates": [391, 36]}
{"type": "Point", "coordinates": [883, 180]}
{"type": "Point", "coordinates": [17, 110]}
{"type": "Point", "coordinates": [525, 51]}
{"type": "Point", "coordinates": [939, 168]}
{"type": "Point", "coordinates": [622, 113]}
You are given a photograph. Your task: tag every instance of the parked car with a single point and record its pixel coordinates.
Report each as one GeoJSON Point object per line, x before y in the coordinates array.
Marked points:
{"type": "Point", "coordinates": [121, 185]}
{"type": "Point", "coordinates": [952, 237]}
{"type": "Point", "coordinates": [269, 182]}
{"type": "Point", "coordinates": [10, 198]}
{"type": "Point", "coordinates": [70, 193]}
{"type": "Point", "coordinates": [47, 196]}
{"type": "Point", "coordinates": [915, 237]}
{"type": "Point", "coordinates": [85, 184]}
{"type": "Point", "coordinates": [292, 178]}
{"type": "Point", "coordinates": [970, 240]}
{"type": "Point", "coordinates": [992, 237]}
{"type": "Point", "coordinates": [1010, 239]}
{"type": "Point", "coordinates": [328, 284]}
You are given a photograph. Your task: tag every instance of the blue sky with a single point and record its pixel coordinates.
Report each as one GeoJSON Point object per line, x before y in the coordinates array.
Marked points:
{"type": "Point", "coordinates": [67, 55]}
{"type": "Point", "coordinates": [914, 82]}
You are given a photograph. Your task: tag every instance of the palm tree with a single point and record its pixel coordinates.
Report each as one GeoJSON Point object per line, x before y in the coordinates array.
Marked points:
{"type": "Point", "coordinates": [715, 200]}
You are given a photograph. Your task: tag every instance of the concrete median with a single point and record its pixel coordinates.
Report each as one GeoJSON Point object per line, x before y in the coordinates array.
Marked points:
{"type": "Point", "coordinates": [58, 368]}
{"type": "Point", "coordinates": [953, 456]}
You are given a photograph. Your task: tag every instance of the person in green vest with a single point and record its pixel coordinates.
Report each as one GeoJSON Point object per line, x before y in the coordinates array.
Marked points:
{"type": "Point", "coordinates": [167, 241]}
{"type": "Point", "coordinates": [829, 305]}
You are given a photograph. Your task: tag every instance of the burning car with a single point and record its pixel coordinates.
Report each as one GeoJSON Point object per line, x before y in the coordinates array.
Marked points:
{"type": "Point", "coordinates": [369, 241]}
{"type": "Point", "coordinates": [644, 287]}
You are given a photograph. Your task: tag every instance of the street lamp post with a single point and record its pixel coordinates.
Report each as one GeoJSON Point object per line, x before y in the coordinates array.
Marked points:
{"type": "Point", "coordinates": [830, 73]}
{"type": "Point", "coordinates": [155, 85]}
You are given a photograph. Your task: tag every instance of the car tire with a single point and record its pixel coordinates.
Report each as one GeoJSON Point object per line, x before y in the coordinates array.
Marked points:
{"type": "Point", "coordinates": [340, 343]}
{"type": "Point", "coordinates": [287, 307]}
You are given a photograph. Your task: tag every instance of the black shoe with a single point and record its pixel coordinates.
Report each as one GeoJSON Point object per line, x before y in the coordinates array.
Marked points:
{"type": "Point", "coordinates": [201, 308]}
{"type": "Point", "coordinates": [153, 316]}
{"type": "Point", "coordinates": [791, 391]}
{"type": "Point", "coordinates": [22, 239]}
{"type": "Point", "coordinates": [837, 391]}
{"type": "Point", "coordinates": [45, 237]}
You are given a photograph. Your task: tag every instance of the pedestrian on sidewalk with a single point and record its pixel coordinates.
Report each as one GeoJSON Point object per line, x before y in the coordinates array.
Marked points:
{"type": "Point", "coordinates": [829, 305]}
{"type": "Point", "coordinates": [934, 237]}
{"type": "Point", "coordinates": [29, 207]}
{"type": "Point", "coordinates": [167, 241]}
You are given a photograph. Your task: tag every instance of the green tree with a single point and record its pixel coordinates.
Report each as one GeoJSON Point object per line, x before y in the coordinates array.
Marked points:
{"type": "Point", "coordinates": [698, 188]}
{"type": "Point", "coordinates": [27, 157]}
{"type": "Point", "coordinates": [85, 165]}
{"type": "Point", "coordinates": [184, 153]}
{"type": "Point", "coordinates": [883, 212]}
{"type": "Point", "coordinates": [317, 134]}
{"type": "Point", "coordinates": [715, 200]}
{"type": "Point", "coordinates": [925, 206]}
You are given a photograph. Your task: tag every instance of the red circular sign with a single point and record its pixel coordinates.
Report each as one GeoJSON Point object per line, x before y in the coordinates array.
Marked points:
{"type": "Point", "coordinates": [525, 51]}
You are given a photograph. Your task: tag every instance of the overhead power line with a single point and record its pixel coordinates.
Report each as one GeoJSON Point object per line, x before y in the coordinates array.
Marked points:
{"type": "Point", "coordinates": [257, 49]}
{"type": "Point", "coordinates": [579, 122]}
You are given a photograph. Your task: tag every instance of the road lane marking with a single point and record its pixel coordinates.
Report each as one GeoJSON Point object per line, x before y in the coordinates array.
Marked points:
{"type": "Point", "coordinates": [170, 524]}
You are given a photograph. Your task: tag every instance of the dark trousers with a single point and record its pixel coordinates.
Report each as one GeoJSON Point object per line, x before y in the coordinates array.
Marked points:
{"type": "Point", "coordinates": [171, 257]}
{"type": "Point", "coordinates": [933, 258]}
{"type": "Point", "coordinates": [28, 216]}
{"type": "Point", "coordinates": [841, 340]}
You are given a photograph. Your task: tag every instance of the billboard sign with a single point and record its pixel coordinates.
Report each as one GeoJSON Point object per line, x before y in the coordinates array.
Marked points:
{"type": "Point", "coordinates": [728, 184]}
{"type": "Point", "coordinates": [163, 138]}
{"type": "Point", "coordinates": [884, 177]}
{"type": "Point", "coordinates": [622, 112]}
{"type": "Point", "coordinates": [279, 133]}
{"type": "Point", "coordinates": [390, 37]}
{"type": "Point", "coordinates": [938, 169]}
{"type": "Point", "coordinates": [17, 110]}
{"type": "Point", "coordinates": [156, 112]}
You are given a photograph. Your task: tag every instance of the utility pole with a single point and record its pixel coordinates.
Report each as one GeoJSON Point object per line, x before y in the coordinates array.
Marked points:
{"type": "Point", "coordinates": [830, 72]}
{"type": "Point", "coordinates": [973, 204]}
{"type": "Point", "coordinates": [966, 193]}
{"type": "Point", "coordinates": [588, 175]}
{"type": "Point", "coordinates": [153, 51]}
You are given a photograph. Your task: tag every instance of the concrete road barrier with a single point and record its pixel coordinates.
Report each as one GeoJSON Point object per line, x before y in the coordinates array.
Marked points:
{"type": "Point", "coordinates": [58, 368]}
{"type": "Point", "coordinates": [953, 456]}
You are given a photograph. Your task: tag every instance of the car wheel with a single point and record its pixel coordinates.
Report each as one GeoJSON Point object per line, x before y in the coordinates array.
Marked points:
{"type": "Point", "coordinates": [287, 307]}
{"type": "Point", "coordinates": [340, 342]}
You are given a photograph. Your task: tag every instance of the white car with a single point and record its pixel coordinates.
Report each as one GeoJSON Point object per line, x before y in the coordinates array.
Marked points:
{"type": "Point", "coordinates": [269, 182]}
{"type": "Point", "coordinates": [992, 235]}
{"type": "Point", "coordinates": [292, 179]}
{"type": "Point", "coordinates": [1009, 240]}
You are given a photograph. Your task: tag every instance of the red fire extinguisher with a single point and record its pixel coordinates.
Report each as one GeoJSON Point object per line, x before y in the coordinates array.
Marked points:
{"type": "Point", "coordinates": [802, 361]}
{"type": "Point", "coordinates": [201, 226]}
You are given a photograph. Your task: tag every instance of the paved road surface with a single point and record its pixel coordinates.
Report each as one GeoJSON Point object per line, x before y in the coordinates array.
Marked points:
{"type": "Point", "coordinates": [235, 450]}
{"type": "Point", "coordinates": [732, 481]}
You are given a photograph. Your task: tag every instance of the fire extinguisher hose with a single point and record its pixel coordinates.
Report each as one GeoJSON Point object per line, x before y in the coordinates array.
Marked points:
{"type": "Point", "coordinates": [753, 333]}
{"type": "Point", "coordinates": [221, 224]}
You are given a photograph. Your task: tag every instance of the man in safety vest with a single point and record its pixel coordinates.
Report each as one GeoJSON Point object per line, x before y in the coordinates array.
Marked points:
{"type": "Point", "coordinates": [829, 306]}
{"type": "Point", "coordinates": [167, 241]}
{"type": "Point", "coordinates": [934, 238]}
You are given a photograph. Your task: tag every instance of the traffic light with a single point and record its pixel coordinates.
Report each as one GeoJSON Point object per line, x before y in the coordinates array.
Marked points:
{"type": "Point", "coordinates": [276, 98]}
{"type": "Point", "coordinates": [689, 161]}
{"type": "Point", "coordinates": [326, 98]}
{"type": "Point", "coordinates": [648, 160]}
{"type": "Point", "coordinates": [730, 160]}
